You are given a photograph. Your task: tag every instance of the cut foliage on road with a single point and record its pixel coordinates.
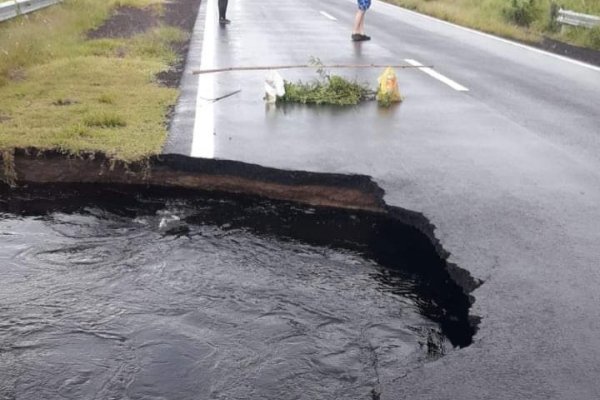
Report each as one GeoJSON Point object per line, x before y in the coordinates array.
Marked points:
{"type": "Point", "coordinates": [525, 20]}
{"type": "Point", "coordinates": [332, 90]}
{"type": "Point", "coordinates": [339, 91]}
{"type": "Point", "coordinates": [83, 76]}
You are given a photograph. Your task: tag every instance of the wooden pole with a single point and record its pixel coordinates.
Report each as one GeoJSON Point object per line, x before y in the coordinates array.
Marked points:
{"type": "Point", "coordinates": [266, 68]}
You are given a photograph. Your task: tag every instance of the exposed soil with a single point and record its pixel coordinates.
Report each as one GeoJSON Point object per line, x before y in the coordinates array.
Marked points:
{"type": "Point", "coordinates": [182, 14]}
{"type": "Point", "coordinates": [176, 171]}
{"type": "Point", "coordinates": [129, 21]}
{"type": "Point", "coordinates": [172, 76]}
{"type": "Point", "coordinates": [16, 75]}
{"type": "Point", "coordinates": [126, 22]}
{"type": "Point", "coordinates": [579, 53]}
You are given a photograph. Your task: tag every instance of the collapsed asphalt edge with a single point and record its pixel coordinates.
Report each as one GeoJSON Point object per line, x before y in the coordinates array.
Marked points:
{"type": "Point", "coordinates": [177, 175]}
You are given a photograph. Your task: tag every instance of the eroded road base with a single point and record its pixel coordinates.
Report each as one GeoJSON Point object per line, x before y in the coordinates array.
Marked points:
{"type": "Point", "coordinates": [342, 211]}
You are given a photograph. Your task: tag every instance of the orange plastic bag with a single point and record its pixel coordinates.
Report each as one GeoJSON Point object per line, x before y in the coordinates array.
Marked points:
{"type": "Point", "coordinates": [388, 91]}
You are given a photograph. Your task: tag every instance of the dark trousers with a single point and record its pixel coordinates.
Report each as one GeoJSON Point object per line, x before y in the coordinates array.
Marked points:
{"type": "Point", "coordinates": [222, 9]}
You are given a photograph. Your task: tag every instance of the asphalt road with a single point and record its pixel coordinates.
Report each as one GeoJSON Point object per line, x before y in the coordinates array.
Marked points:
{"type": "Point", "coordinates": [508, 171]}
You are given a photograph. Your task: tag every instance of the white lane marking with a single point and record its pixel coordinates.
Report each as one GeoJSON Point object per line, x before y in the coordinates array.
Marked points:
{"type": "Point", "coordinates": [203, 140]}
{"type": "Point", "coordinates": [490, 36]}
{"type": "Point", "coordinates": [438, 76]}
{"type": "Point", "coordinates": [327, 15]}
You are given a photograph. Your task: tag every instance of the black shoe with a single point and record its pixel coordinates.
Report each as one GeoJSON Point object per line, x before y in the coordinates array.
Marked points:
{"type": "Point", "coordinates": [357, 37]}
{"type": "Point", "coordinates": [224, 21]}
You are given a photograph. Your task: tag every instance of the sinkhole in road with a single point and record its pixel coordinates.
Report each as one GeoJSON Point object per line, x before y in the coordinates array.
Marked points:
{"type": "Point", "coordinates": [117, 292]}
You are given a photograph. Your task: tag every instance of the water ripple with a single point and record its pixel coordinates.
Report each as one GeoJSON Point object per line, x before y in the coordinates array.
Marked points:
{"type": "Point", "coordinates": [95, 305]}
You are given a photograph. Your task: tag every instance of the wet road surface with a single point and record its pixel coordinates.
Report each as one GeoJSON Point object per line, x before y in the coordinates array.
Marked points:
{"type": "Point", "coordinates": [508, 171]}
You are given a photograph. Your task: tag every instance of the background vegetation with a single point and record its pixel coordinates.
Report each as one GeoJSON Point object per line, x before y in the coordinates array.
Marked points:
{"type": "Point", "coordinates": [525, 20]}
{"type": "Point", "coordinates": [59, 89]}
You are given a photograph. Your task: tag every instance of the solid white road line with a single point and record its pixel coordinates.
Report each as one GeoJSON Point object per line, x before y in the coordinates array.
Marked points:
{"type": "Point", "coordinates": [329, 16]}
{"type": "Point", "coordinates": [438, 76]}
{"type": "Point", "coordinates": [489, 36]}
{"type": "Point", "coordinates": [203, 140]}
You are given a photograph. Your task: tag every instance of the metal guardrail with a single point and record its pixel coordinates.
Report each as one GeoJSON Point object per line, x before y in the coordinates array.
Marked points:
{"type": "Point", "coordinates": [14, 8]}
{"type": "Point", "coordinates": [573, 18]}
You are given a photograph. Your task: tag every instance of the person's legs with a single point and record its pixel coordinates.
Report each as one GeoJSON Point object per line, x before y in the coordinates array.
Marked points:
{"type": "Point", "coordinates": [358, 32]}
{"type": "Point", "coordinates": [223, 11]}
{"type": "Point", "coordinates": [359, 22]}
{"type": "Point", "coordinates": [361, 28]}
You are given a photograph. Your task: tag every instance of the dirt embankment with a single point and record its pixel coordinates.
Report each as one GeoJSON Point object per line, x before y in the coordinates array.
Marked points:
{"type": "Point", "coordinates": [564, 49]}
{"type": "Point", "coordinates": [32, 166]}
{"type": "Point", "coordinates": [127, 21]}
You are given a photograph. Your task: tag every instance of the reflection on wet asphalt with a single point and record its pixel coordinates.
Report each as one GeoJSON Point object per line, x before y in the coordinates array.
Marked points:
{"type": "Point", "coordinates": [95, 305]}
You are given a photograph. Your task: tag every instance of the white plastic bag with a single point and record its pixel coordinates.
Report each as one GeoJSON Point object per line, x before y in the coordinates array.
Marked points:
{"type": "Point", "coordinates": [274, 86]}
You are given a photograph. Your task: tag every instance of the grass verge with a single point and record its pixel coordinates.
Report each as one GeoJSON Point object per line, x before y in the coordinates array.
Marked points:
{"type": "Point", "coordinates": [59, 89]}
{"type": "Point", "coordinates": [523, 20]}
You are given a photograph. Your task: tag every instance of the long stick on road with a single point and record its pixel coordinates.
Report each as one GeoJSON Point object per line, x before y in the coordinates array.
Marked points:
{"type": "Point", "coordinates": [258, 68]}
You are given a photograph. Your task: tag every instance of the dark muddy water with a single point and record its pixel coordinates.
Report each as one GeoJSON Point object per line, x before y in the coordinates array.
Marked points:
{"type": "Point", "coordinates": [180, 299]}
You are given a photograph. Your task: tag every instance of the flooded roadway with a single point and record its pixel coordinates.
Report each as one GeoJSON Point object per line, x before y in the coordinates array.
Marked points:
{"type": "Point", "coordinates": [180, 299]}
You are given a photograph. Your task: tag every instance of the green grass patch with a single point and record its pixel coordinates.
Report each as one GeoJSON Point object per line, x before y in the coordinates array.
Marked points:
{"type": "Point", "coordinates": [524, 20]}
{"type": "Point", "coordinates": [105, 120]}
{"type": "Point", "coordinates": [106, 98]}
{"type": "Point", "coordinates": [60, 90]}
{"type": "Point", "coordinates": [129, 126]}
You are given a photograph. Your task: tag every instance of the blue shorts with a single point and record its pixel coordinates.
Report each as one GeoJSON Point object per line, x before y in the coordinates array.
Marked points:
{"type": "Point", "coordinates": [364, 5]}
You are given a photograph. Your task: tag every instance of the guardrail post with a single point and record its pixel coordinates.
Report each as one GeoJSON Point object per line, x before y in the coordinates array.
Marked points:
{"type": "Point", "coordinates": [553, 23]}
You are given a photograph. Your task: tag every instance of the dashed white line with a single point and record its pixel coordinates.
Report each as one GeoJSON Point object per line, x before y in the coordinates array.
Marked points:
{"type": "Point", "coordinates": [434, 74]}
{"type": "Point", "coordinates": [203, 140]}
{"type": "Point", "coordinates": [489, 36]}
{"type": "Point", "coordinates": [329, 16]}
